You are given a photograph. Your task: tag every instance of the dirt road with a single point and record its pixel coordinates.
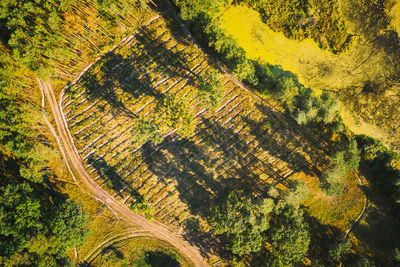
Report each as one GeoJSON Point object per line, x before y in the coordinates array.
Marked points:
{"type": "Point", "coordinates": [73, 159]}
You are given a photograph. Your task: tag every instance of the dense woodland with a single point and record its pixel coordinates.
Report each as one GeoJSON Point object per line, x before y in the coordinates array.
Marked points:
{"type": "Point", "coordinates": [39, 224]}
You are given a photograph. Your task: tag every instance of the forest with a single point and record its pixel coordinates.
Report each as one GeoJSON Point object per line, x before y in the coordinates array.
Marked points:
{"type": "Point", "coordinates": [270, 142]}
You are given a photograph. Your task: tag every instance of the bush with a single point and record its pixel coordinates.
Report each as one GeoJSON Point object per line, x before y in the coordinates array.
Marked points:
{"type": "Point", "coordinates": [210, 90]}
{"type": "Point", "coordinates": [308, 108]}
{"type": "Point", "coordinates": [141, 206]}
{"type": "Point", "coordinates": [242, 221]}
{"type": "Point", "coordinates": [174, 113]}
{"type": "Point", "coordinates": [145, 129]}
{"type": "Point", "coordinates": [297, 194]}
{"type": "Point", "coordinates": [341, 163]}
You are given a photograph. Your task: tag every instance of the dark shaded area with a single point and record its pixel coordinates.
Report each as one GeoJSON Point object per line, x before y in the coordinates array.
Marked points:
{"type": "Point", "coordinates": [372, 87]}
{"type": "Point", "coordinates": [160, 259]}
{"type": "Point", "coordinates": [5, 33]}
{"type": "Point", "coordinates": [380, 233]}
{"type": "Point", "coordinates": [107, 173]}
{"type": "Point", "coordinates": [303, 136]}
{"type": "Point", "coordinates": [323, 238]}
{"type": "Point", "coordinates": [112, 179]}
{"type": "Point", "coordinates": [204, 240]}
{"type": "Point", "coordinates": [223, 162]}
{"type": "Point", "coordinates": [114, 250]}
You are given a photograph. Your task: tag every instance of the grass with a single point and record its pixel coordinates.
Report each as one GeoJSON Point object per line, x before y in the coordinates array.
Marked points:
{"type": "Point", "coordinates": [140, 251]}
{"type": "Point", "coordinates": [358, 125]}
{"type": "Point", "coordinates": [316, 68]}
{"type": "Point", "coordinates": [337, 211]}
{"type": "Point", "coordinates": [395, 16]}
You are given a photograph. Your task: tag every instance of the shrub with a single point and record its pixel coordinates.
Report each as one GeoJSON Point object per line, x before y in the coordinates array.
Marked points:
{"type": "Point", "coordinates": [175, 113]}
{"type": "Point", "coordinates": [141, 206]}
{"type": "Point", "coordinates": [341, 163]}
{"type": "Point", "coordinates": [210, 90]}
{"type": "Point", "coordinates": [146, 129]}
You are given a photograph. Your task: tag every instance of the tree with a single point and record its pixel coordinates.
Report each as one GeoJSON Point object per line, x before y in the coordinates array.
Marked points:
{"type": "Point", "coordinates": [289, 237]}
{"type": "Point", "coordinates": [340, 164]}
{"type": "Point", "coordinates": [190, 9]}
{"type": "Point", "coordinates": [38, 224]}
{"type": "Point", "coordinates": [297, 194]}
{"type": "Point", "coordinates": [210, 90]}
{"type": "Point", "coordinates": [145, 129]}
{"type": "Point", "coordinates": [69, 223]}
{"type": "Point", "coordinates": [308, 108]}
{"type": "Point", "coordinates": [242, 220]}
{"type": "Point", "coordinates": [339, 250]}
{"type": "Point", "coordinates": [171, 112]}
{"type": "Point", "coordinates": [20, 217]}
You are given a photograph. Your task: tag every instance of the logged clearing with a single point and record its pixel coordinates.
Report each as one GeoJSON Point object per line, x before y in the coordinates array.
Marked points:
{"type": "Point", "coordinates": [242, 143]}
{"type": "Point", "coordinates": [316, 68]}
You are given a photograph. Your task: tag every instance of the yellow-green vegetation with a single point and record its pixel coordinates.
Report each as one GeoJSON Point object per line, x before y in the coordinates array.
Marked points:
{"type": "Point", "coordinates": [140, 251]}
{"type": "Point", "coordinates": [337, 211]}
{"type": "Point", "coordinates": [363, 77]}
{"type": "Point", "coordinates": [319, 20]}
{"type": "Point", "coordinates": [355, 123]}
{"type": "Point", "coordinates": [105, 226]}
{"type": "Point", "coordinates": [316, 68]}
{"type": "Point", "coordinates": [395, 16]}
{"type": "Point", "coordinates": [38, 222]}
{"type": "Point", "coordinates": [169, 133]}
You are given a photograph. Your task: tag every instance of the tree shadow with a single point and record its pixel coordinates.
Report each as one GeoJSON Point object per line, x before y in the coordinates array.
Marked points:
{"type": "Point", "coordinates": [221, 161]}
{"type": "Point", "coordinates": [379, 230]}
{"type": "Point", "coordinates": [173, 63]}
{"type": "Point", "coordinates": [323, 238]}
{"type": "Point", "coordinates": [202, 239]}
{"type": "Point", "coordinates": [290, 132]}
{"type": "Point", "coordinates": [114, 250]}
{"type": "Point", "coordinates": [112, 75]}
{"type": "Point", "coordinates": [138, 70]}
{"type": "Point", "coordinates": [160, 259]}
{"type": "Point", "coordinates": [112, 179]}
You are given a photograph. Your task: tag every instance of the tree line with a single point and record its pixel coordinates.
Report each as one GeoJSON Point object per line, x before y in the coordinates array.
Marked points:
{"type": "Point", "coordinates": [38, 223]}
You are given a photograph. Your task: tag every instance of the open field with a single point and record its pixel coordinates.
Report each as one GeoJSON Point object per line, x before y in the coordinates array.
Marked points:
{"type": "Point", "coordinates": [347, 74]}
{"type": "Point", "coordinates": [316, 68]}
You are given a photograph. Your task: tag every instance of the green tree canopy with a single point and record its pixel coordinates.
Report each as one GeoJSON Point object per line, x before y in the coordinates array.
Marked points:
{"type": "Point", "coordinates": [210, 89]}
{"type": "Point", "coordinates": [242, 220]}
{"type": "Point", "coordinates": [289, 237]}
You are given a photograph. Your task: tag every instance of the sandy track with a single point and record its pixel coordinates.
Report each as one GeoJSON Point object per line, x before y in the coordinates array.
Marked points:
{"type": "Point", "coordinates": [73, 159]}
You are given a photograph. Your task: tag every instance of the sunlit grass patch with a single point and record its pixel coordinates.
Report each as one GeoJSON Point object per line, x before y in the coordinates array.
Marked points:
{"type": "Point", "coordinates": [338, 211]}
{"type": "Point", "coordinates": [315, 67]}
